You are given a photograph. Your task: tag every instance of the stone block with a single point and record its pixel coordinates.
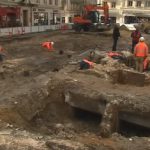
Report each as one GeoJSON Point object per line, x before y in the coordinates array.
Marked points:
{"type": "Point", "coordinates": [133, 78]}
{"type": "Point", "coordinates": [128, 77]}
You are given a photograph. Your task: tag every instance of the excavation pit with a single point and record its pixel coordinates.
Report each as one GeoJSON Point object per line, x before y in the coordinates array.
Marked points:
{"type": "Point", "coordinates": [134, 124]}
{"type": "Point", "coordinates": [128, 129]}
{"type": "Point", "coordinates": [33, 108]}
{"type": "Point", "coordinates": [89, 121]}
{"type": "Point", "coordinates": [87, 116]}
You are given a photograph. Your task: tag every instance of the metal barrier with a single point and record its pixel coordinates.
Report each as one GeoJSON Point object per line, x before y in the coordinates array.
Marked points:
{"type": "Point", "coordinates": [23, 30]}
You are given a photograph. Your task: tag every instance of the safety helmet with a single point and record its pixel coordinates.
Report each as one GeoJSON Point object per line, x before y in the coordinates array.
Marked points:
{"type": "Point", "coordinates": [141, 39]}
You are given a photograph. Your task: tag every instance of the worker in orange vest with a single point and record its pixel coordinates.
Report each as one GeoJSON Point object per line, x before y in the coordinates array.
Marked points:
{"type": "Point", "coordinates": [87, 63]}
{"type": "Point", "coordinates": [48, 45]}
{"type": "Point", "coordinates": [140, 53]}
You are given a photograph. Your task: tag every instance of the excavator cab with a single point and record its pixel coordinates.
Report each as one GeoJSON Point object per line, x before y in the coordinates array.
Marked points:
{"type": "Point", "coordinates": [92, 18]}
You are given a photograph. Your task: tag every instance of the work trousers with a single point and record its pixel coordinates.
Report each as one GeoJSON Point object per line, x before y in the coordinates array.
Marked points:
{"type": "Point", "coordinates": [114, 44]}
{"type": "Point", "coordinates": [139, 63]}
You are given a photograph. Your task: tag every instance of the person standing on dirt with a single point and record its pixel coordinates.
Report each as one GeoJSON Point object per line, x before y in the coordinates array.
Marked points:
{"type": "Point", "coordinates": [140, 53]}
{"type": "Point", "coordinates": [1, 53]}
{"type": "Point", "coordinates": [116, 35]}
{"type": "Point", "coordinates": [1, 60]}
{"type": "Point", "coordinates": [135, 35]}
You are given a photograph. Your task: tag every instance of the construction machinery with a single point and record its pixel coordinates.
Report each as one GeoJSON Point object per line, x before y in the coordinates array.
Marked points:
{"type": "Point", "coordinates": [92, 18]}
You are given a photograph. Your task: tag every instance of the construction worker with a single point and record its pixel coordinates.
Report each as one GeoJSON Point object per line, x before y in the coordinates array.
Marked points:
{"type": "Point", "coordinates": [116, 35]}
{"type": "Point", "coordinates": [135, 35]}
{"type": "Point", "coordinates": [48, 45]}
{"type": "Point", "coordinates": [1, 60]}
{"type": "Point", "coordinates": [1, 53]}
{"type": "Point", "coordinates": [140, 53]}
{"type": "Point", "coordinates": [87, 63]}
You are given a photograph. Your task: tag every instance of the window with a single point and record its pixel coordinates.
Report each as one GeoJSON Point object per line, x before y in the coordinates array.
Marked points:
{"type": "Point", "coordinates": [57, 20]}
{"type": "Point", "coordinates": [50, 2]}
{"type": "Point", "coordinates": [40, 18]}
{"type": "Point", "coordinates": [147, 4]}
{"type": "Point", "coordinates": [63, 20]}
{"type": "Point", "coordinates": [56, 2]}
{"type": "Point", "coordinates": [130, 3]}
{"type": "Point", "coordinates": [113, 5]}
{"type": "Point", "coordinates": [37, 1]}
{"type": "Point", "coordinates": [70, 19]}
{"type": "Point", "coordinates": [45, 1]}
{"type": "Point", "coordinates": [138, 4]}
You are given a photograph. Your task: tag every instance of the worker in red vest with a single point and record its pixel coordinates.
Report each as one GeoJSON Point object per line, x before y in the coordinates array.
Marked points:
{"type": "Point", "coordinates": [48, 45]}
{"type": "Point", "coordinates": [140, 53]}
{"type": "Point", "coordinates": [135, 35]}
{"type": "Point", "coordinates": [87, 63]}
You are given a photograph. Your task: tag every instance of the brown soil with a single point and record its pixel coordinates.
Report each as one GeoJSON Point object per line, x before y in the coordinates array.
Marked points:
{"type": "Point", "coordinates": [33, 114]}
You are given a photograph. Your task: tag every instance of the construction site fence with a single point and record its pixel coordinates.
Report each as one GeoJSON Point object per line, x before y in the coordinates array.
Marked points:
{"type": "Point", "coordinates": [33, 29]}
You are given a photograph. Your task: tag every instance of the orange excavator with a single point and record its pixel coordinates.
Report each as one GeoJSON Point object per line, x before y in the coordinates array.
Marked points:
{"type": "Point", "coordinates": [92, 18]}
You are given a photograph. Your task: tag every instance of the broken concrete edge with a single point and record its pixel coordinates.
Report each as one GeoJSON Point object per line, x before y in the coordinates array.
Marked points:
{"type": "Point", "coordinates": [109, 105]}
{"type": "Point", "coordinates": [80, 103]}
{"type": "Point", "coordinates": [120, 76]}
{"type": "Point", "coordinates": [110, 108]}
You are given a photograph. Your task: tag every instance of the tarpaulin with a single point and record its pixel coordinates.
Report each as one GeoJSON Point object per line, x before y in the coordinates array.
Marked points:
{"type": "Point", "coordinates": [111, 54]}
{"type": "Point", "coordinates": [115, 55]}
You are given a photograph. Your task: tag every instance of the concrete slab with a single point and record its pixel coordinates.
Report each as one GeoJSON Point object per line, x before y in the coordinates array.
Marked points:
{"type": "Point", "coordinates": [129, 77]}
{"type": "Point", "coordinates": [142, 120]}
{"type": "Point", "coordinates": [112, 106]}
{"type": "Point", "coordinates": [83, 101]}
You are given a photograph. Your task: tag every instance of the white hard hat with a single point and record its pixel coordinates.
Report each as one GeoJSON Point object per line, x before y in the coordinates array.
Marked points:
{"type": "Point", "coordinates": [52, 43]}
{"type": "Point", "coordinates": [141, 39]}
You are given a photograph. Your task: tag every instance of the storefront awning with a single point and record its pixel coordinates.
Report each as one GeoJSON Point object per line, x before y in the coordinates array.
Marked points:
{"type": "Point", "coordinates": [4, 11]}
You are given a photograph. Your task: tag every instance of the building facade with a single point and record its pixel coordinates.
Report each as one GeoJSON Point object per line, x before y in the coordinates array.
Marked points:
{"type": "Point", "coordinates": [72, 8]}
{"type": "Point", "coordinates": [46, 12]}
{"type": "Point", "coordinates": [39, 12]}
{"type": "Point", "coordinates": [128, 11]}
{"type": "Point", "coordinates": [29, 12]}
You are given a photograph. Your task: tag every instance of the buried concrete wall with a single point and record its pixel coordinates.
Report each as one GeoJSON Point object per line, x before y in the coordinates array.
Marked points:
{"type": "Point", "coordinates": [53, 98]}
{"type": "Point", "coordinates": [111, 105]}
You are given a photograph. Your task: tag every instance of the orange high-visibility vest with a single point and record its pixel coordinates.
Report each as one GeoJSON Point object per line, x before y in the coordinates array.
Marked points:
{"type": "Point", "coordinates": [48, 45]}
{"type": "Point", "coordinates": [141, 50]}
{"type": "Point", "coordinates": [89, 62]}
{"type": "Point", "coordinates": [1, 49]}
